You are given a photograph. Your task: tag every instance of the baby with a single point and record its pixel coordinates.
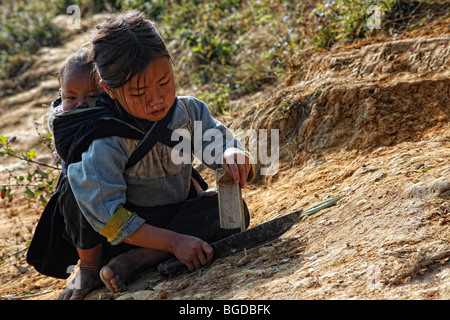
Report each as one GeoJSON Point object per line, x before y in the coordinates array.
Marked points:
{"type": "Point", "coordinates": [79, 83]}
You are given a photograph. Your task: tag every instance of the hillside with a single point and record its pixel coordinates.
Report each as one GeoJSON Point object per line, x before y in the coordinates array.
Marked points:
{"type": "Point", "coordinates": [369, 120]}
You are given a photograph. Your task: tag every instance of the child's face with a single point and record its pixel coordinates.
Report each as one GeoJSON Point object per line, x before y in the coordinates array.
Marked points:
{"type": "Point", "coordinates": [79, 90]}
{"type": "Point", "coordinates": [149, 95]}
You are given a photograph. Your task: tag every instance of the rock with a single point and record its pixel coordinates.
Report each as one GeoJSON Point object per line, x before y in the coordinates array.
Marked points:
{"type": "Point", "coordinates": [183, 284]}
{"type": "Point", "coordinates": [163, 294]}
{"type": "Point", "coordinates": [427, 189]}
{"type": "Point", "coordinates": [266, 250]}
{"type": "Point", "coordinates": [444, 290]}
{"type": "Point", "coordinates": [243, 261]}
{"type": "Point", "coordinates": [307, 282]}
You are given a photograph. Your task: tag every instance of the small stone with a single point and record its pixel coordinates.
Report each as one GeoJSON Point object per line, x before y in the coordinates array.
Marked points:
{"type": "Point", "coordinates": [163, 294]}
{"type": "Point", "coordinates": [243, 261]}
{"type": "Point", "coordinates": [183, 284]}
{"type": "Point", "coordinates": [266, 250]}
{"type": "Point", "coordinates": [307, 282]}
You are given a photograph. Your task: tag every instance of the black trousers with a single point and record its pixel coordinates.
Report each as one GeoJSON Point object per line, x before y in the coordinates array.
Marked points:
{"type": "Point", "coordinates": [196, 216]}
{"type": "Point", "coordinates": [63, 228]}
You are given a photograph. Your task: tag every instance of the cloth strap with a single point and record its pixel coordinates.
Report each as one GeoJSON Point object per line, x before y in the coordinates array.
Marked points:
{"type": "Point", "coordinates": [158, 132]}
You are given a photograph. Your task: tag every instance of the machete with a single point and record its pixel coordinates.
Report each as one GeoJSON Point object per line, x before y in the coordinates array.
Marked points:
{"type": "Point", "coordinates": [248, 239]}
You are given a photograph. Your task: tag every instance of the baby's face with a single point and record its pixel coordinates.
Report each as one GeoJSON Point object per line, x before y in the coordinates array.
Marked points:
{"type": "Point", "coordinates": [78, 91]}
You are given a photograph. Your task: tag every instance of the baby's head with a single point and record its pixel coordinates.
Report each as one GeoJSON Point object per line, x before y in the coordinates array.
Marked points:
{"type": "Point", "coordinates": [79, 81]}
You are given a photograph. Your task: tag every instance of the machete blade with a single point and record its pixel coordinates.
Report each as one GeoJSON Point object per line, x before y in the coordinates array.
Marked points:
{"type": "Point", "coordinates": [248, 239]}
{"type": "Point", "coordinates": [255, 236]}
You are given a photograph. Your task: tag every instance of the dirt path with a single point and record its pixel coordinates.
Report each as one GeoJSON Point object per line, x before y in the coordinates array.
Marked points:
{"type": "Point", "coordinates": [375, 127]}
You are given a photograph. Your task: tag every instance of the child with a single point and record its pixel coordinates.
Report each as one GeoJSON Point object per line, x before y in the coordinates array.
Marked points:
{"type": "Point", "coordinates": [145, 211]}
{"type": "Point", "coordinates": [78, 81]}
{"type": "Point", "coordinates": [79, 115]}
{"type": "Point", "coordinates": [79, 86]}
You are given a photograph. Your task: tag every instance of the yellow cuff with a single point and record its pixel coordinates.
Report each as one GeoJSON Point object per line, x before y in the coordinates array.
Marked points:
{"type": "Point", "coordinates": [113, 226]}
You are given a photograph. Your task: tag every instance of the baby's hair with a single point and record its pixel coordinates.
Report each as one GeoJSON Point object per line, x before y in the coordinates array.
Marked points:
{"type": "Point", "coordinates": [123, 47]}
{"type": "Point", "coordinates": [79, 61]}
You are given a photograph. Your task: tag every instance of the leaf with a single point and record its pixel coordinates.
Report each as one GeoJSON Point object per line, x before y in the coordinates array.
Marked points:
{"type": "Point", "coordinates": [20, 268]}
{"type": "Point", "coordinates": [424, 169]}
{"type": "Point", "coordinates": [264, 18]}
{"type": "Point", "coordinates": [10, 151]}
{"type": "Point", "coordinates": [29, 192]}
{"type": "Point", "coordinates": [43, 174]}
{"type": "Point", "coordinates": [42, 199]}
{"type": "Point", "coordinates": [31, 154]}
{"type": "Point", "coordinates": [321, 206]}
{"type": "Point", "coordinates": [3, 140]}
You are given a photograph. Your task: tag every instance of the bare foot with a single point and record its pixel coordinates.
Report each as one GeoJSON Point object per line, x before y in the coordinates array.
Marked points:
{"type": "Point", "coordinates": [86, 279]}
{"type": "Point", "coordinates": [120, 269]}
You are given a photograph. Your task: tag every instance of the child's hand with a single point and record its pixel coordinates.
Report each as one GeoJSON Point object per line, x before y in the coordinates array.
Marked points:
{"type": "Point", "coordinates": [237, 164]}
{"type": "Point", "coordinates": [193, 252]}
{"type": "Point", "coordinates": [200, 191]}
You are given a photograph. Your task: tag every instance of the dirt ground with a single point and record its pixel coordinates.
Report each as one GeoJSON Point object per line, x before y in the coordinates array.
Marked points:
{"type": "Point", "coordinates": [369, 121]}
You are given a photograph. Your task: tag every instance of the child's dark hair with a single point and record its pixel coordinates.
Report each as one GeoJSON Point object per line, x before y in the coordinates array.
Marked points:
{"type": "Point", "coordinates": [123, 47]}
{"type": "Point", "coordinates": [79, 61]}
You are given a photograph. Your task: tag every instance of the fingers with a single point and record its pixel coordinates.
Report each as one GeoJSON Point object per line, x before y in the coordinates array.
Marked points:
{"type": "Point", "coordinates": [237, 164]}
{"type": "Point", "coordinates": [208, 192]}
{"type": "Point", "coordinates": [239, 172]}
{"type": "Point", "coordinates": [198, 261]}
{"type": "Point", "coordinates": [243, 173]}
{"type": "Point", "coordinates": [200, 254]}
{"type": "Point", "coordinates": [204, 257]}
{"type": "Point", "coordinates": [209, 252]}
{"type": "Point", "coordinates": [193, 265]}
{"type": "Point", "coordinates": [233, 170]}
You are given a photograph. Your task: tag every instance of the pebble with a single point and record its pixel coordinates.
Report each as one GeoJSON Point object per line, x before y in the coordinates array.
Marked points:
{"type": "Point", "coordinates": [360, 202]}
{"type": "Point", "coordinates": [266, 250]}
{"type": "Point", "coordinates": [308, 282]}
{"type": "Point", "coordinates": [445, 290]}
{"type": "Point", "coordinates": [243, 261]}
{"type": "Point", "coordinates": [163, 294]}
{"type": "Point", "coordinates": [183, 284]}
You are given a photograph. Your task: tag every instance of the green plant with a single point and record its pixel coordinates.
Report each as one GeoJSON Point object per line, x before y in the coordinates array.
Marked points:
{"type": "Point", "coordinates": [228, 48]}
{"type": "Point", "coordinates": [289, 106]}
{"type": "Point", "coordinates": [298, 109]}
{"type": "Point", "coordinates": [25, 28]}
{"type": "Point", "coordinates": [39, 179]}
{"type": "Point", "coordinates": [217, 98]}
{"type": "Point", "coordinates": [339, 19]}
{"type": "Point", "coordinates": [406, 14]}
{"type": "Point", "coordinates": [154, 9]}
